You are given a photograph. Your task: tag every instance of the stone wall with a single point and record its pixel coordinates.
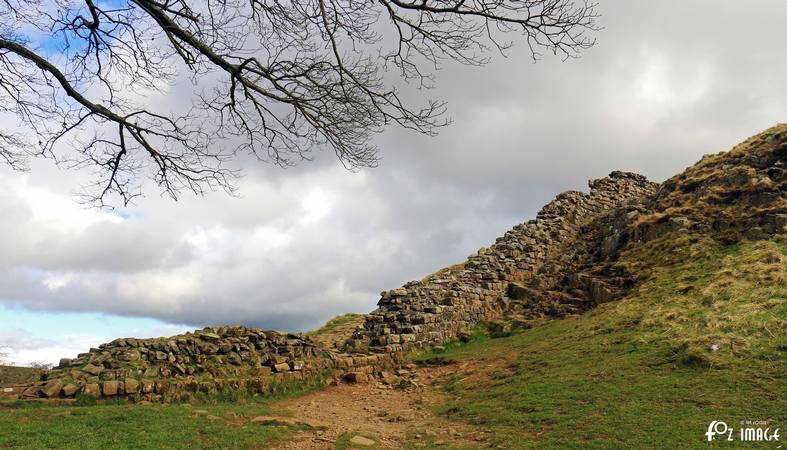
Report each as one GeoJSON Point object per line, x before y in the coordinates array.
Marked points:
{"type": "Point", "coordinates": [562, 262]}
{"type": "Point", "coordinates": [208, 360]}
{"type": "Point", "coordinates": [732, 195]}
{"type": "Point", "coordinates": [421, 313]}
{"type": "Point", "coordinates": [437, 308]}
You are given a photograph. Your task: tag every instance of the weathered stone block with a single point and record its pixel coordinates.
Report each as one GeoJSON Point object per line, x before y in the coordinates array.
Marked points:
{"type": "Point", "coordinates": [131, 386]}
{"type": "Point", "coordinates": [92, 389]}
{"type": "Point", "coordinates": [52, 388]}
{"type": "Point", "coordinates": [161, 386]}
{"type": "Point", "coordinates": [110, 388]}
{"type": "Point", "coordinates": [92, 369]}
{"type": "Point", "coordinates": [283, 367]}
{"type": "Point", "coordinates": [148, 386]}
{"type": "Point", "coordinates": [70, 390]}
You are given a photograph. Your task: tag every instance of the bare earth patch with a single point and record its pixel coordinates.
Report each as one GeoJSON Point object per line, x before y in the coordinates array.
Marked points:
{"type": "Point", "coordinates": [390, 416]}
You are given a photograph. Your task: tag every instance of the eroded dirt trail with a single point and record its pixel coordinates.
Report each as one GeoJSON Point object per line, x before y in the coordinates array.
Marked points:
{"type": "Point", "coordinates": [392, 417]}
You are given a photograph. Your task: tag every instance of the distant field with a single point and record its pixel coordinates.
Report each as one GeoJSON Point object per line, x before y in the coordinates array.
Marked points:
{"type": "Point", "coordinates": [17, 375]}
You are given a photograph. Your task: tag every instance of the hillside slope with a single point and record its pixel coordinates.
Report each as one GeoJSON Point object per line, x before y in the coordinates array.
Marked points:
{"type": "Point", "coordinates": [703, 339]}
{"type": "Point", "coordinates": [700, 333]}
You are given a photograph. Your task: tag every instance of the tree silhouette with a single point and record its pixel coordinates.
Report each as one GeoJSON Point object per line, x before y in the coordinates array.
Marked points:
{"type": "Point", "coordinates": [276, 79]}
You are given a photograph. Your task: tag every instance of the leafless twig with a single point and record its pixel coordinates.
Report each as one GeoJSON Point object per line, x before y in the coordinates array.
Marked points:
{"type": "Point", "coordinates": [272, 78]}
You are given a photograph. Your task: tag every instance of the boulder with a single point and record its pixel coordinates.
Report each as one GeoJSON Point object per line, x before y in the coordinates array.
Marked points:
{"type": "Point", "coordinates": [70, 390]}
{"type": "Point", "coordinates": [110, 388]}
{"type": "Point", "coordinates": [32, 392]}
{"type": "Point", "coordinates": [92, 369]}
{"type": "Point", "coordinates": [131, 355]}
{"type": "Point", "coordinates": [362, 441]}
{"type": "Point", "coordinates": [148, 386]}
{"type": "Point", "coordinates": [518, 291]}
{"type": "Point", "coordinates": [52, 388]}
{"type": "Point", "coordinates": [389, 379]}
{"type": "Point", "coordinates": [131, 386]}
{"type": "Point", "coordinates": [283, 367]}
{"type": "Point", "coordinates": [225, 347]}
{"type": "Point", "coordinates": [92, 389]}
{"type": "Point", "coordinates": [209, 336]}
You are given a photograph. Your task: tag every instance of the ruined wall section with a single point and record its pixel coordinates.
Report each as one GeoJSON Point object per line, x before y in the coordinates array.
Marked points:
{"type": "Point", "coordinates": [210, 360]}
{"type": "Point", "coordinates": [435, 309]}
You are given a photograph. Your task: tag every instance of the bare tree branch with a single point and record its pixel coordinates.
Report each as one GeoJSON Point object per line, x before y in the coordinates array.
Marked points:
{"type": "Point", "coordinates": [275, 79]}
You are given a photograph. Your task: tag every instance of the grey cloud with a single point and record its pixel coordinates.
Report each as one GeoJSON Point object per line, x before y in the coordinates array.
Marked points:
{"type": "Point", "coordinates": [667, 83]}
{"type": "Point", "coordinates": [20, 339]}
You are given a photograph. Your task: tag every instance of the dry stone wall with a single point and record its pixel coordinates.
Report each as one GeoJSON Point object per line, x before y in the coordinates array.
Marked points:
{"type": "Point", "coordinates": [436, 309]}
{"type": "Point", "coordinates": [562, 262]}
{"type": "Point", "coordinates": [419, 314]}
{"type": "Point", "coordinates": [208, 360]}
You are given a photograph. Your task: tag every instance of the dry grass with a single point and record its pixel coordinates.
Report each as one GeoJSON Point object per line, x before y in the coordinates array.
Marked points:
{"type": "Point", "coordinates": [337, 330]}
{"type": "Point", "coordinates": [713, 188]}
{"type": "Point", "coordinates": [18, 375]}
{"type": "Point", "coordinates": [445, 272]}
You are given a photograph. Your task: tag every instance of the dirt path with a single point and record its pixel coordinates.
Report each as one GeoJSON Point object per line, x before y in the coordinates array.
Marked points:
{"type": "Point", "coordinates": [392, 417]}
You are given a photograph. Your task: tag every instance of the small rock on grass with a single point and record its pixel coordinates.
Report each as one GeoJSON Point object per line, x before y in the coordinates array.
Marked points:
{"type": "Point", "coordinates": [275, 421]}
{"type": "Point", "coordinates": [360, 440]}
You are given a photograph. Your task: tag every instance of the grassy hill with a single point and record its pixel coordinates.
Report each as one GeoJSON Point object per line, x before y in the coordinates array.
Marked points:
{"type": "Point", "coordinates": [704, 338]}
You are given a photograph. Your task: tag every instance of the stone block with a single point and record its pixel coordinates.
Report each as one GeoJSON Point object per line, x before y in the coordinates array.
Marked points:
{"type": "Point", "coordinates": [110, 388]}
{"type": "Point", "coordinates": [92, 389]}
{"type": "Point", "coordinates": [161, 386]}
{"type": "Point", "coordinates": [280, 368]}
{"type": "Point", "coordinates": [148, 386]}
{"type": "Point", "coordinates": [131, 386]}
{"type": "Point", "coordinates": [70, 390]}
{"type": "Point", "coordinates": [93, 369]}
{"type": "Point", "coordinates": [52, 388]}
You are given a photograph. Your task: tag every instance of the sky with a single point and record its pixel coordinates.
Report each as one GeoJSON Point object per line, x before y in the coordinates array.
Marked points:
{"type": "Point", "coordinates": [667, 82]}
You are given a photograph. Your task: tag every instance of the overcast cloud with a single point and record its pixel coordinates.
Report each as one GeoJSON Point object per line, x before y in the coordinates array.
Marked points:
{"type": "Point", "coordinates": [667, 82]}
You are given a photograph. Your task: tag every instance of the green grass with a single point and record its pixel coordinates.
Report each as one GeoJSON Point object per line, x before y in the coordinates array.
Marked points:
{"type": "Point", "coordinates": [640, 373]}
{"type": "Point", "coordinates": [119, 425]}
